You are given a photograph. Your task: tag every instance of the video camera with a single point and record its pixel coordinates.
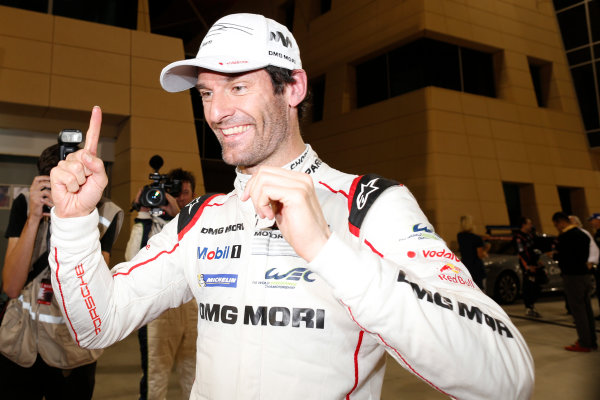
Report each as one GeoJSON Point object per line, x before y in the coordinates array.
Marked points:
{"type": "Point", "coordinates": [153, 195]}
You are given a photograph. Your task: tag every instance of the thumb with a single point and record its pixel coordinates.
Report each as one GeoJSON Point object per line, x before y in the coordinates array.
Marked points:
{"type": "Point", "coordinates": [93, 165]}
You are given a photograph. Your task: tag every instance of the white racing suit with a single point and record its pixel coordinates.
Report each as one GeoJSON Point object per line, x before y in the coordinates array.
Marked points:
{"type": "Point", "coordinates": [169, 340]}
{"type": "Point", "coordinates": [272, 326]}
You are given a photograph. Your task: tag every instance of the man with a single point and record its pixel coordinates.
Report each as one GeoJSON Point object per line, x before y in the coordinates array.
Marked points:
{"type": "Point", "coordinates": [171, 338]}
{"type": "Point", "coordinates": [595, 221]}
{"type": "Point", "coordinates": [572, 252]}
{"type": "Point", "coordinates": [38, 358]}
{"type": "Point", "coordinates": [528, 260]}
{"type": "Point", "coordinates": [300, 291]}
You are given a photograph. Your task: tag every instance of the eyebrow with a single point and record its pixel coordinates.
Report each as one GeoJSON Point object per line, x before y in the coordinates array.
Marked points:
{"type": "Point", "coordinates": [228, 78]}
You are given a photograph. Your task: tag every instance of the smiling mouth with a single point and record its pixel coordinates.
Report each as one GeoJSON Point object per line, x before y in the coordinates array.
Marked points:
{"type": "Point", "coordinates": [235, 130]}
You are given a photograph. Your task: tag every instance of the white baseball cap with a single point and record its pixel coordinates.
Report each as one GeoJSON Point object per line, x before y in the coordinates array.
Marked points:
{"type": "Point", "coordinates": [236, 43]}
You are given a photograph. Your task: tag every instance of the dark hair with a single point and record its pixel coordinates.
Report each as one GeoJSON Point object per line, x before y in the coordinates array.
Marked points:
{"type": "Point", "coordinates": [281, 77]}
{"type": "Point", "coordinates": [523, 221]}
{"type": "Point", "coordinates": [560, 216]}
{"type": "Point", "coordinates": [48, 159]}
{"type": "Point", "coordinates": [184, 176]}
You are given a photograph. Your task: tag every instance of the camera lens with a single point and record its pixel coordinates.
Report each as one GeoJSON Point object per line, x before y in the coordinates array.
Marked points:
{"type": "Point", "coordinates": [154, 197]}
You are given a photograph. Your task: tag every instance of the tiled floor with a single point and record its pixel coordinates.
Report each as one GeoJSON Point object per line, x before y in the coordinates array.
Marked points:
{"type": "Point", "coordinates": [559, 374]}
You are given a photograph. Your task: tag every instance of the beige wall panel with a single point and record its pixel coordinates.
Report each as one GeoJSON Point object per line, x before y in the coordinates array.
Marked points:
{"type": "Point", "coordinates": [473, 105]}
{"type": "Point", "coordinates": [501, 110]}
{"type": "Point", "coordinates": [459, 28]}
{"type": "Point", "coordinates": [439, 120]}
{"type": "Point", "coordinates": [477, 126]}
{"type": "Point", "coordinates": [443, 99]}
{"type": "Point", "coordinates": [482, 147]}
{"type": "Point", "coordinates": [25, 24]}
{"type": "Point", "coordinates": [562, 121]}
{"type": "Point", "coordinates": [448, 142]}
{"type": "Point", "coordinates": [156, 103]}
{"type": "Point", "coordinates": [156, 47]}
{"type": "Point", "coordinates": [570, 140]}
{"type": "Point", "coordinates": [519, 96]}
{"type": "Point", "coordinates": [25, 54]}
{"type": "Point", "coordinates": [81, 94]}
{"type": "Point", "coordinates": [448, 165]}
{"type": "Point", "coordinates": [89, 64]}
{"type": "Point", "coordinates": [542, 174]}
{"type": "Point", "coordinates": [569, 177]}
{"type": "Point", "coordinates": [489, 190]}
{"type": "Point", "coordinates": [122, 172]}
{"type": "Point", "coordinates": [506, 130]}
{"type": "Point", "coordinates": [530, 116]}
{"type": "Point", "coordinates": [541, 155]}
{"type": "Point", "coordinates": [546, 212]}
{"type": "Point", "coordinates": [150, 133]}
{"type": "Point", "coordinates": [511, 151]}
{"type": "Point", "coordinates": [23, 87]}
{"type": "Point", "coordinates": [575, 159]}
{"type": "Point", "coordinates": [485, 168]}
{"type": "Point", "coordinates": [146, 72]}
{"type": "Point", "coordinates": [77, 33]}
{"type": "Point", "coordinates": [546, 194]}
{"type": "Point", "coordinates": [494, 213]}
{"type": "Point", "coordinates": [514, 171]}
{"type": "Point", "coordinates": [463, 189]}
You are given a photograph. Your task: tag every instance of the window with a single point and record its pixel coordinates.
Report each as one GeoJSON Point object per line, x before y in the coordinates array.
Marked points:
{"type": "Point", "coordinates": [583, 79]}
{"type": "Point", "coordinates": [540, 76]}
{"type": "Point", "coordinates": [422, 63]}
{"type": "Point", "coordinates": [573, 25]}
{"type": "Point", "coordinates": [572, 201]}
{"type": "Point", "coordinates": [317, 88]}
{"type": "Point", "coordinates": [520, 202]}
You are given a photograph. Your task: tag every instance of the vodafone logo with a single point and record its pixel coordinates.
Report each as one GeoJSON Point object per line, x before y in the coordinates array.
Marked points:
{"type": "Point", "coordinates": [440, 254]}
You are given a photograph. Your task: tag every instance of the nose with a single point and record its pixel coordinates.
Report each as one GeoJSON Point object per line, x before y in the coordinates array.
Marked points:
{"type": "Point", "coordinates": [218, 109]}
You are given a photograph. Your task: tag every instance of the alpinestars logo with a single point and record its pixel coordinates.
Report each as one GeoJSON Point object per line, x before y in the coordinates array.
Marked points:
{"type": "Point", "coordinates": [365, 191]}
{"type": "Point", "coordinates": [220, 254]}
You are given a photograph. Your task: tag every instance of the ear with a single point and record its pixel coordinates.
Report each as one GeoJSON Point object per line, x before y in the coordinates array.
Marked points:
{"type": "Point", "coordinates": [297, 90]}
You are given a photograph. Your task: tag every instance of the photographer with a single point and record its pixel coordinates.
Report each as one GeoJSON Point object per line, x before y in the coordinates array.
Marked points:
{"type": "Point", "coordinates": [171, 338]}
{"type": "Point", "coordinates": [38, 358]}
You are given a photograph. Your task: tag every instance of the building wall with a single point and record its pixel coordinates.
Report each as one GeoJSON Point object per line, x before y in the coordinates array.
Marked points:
{"type": "Point", "coordinates": [453, 149]}
{"type": "Point", "coordinates": [53, 70]}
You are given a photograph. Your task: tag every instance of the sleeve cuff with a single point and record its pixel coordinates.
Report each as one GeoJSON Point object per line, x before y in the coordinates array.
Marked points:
{"type": "Point", "coordinates": [74, 232]}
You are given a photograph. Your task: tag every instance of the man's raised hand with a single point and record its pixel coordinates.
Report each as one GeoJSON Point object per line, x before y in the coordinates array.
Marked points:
{"type": "Point", "coordinates": [290, 198]}
{"type": "Point", "coordinates": [78, 182]}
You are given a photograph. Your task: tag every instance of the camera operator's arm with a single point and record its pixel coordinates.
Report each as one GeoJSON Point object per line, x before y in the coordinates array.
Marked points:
{"type": "Point", "coordinates": [22, 235]}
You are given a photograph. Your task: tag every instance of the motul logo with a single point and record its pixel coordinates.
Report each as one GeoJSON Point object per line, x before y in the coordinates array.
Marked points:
{"type": "Point", "coordinates": [440, 254]}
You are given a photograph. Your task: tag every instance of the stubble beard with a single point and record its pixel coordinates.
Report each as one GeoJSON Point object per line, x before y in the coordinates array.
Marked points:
{"type": "Point", "coordinates": [274, 131]}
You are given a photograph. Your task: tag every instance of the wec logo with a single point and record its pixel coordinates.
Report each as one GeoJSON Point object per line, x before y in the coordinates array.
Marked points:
{"type": "Point", "coordinates": [292, 275]}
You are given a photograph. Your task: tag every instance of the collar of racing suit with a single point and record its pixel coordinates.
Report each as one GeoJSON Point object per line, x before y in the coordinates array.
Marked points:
{"type": "Point", "coordinates": [301, 163]}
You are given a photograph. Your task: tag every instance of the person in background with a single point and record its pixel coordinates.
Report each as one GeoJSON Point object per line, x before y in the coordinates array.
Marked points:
{"type": "Point", "coordinates": [38, 357]}
{"type": "Point", "coordinates": [528, 261]}
{"type": "Point", "coordinates": [572, 254]}
{"type": "Point", "coordinates": [472, 250]}
{"type": "Point", "coordinates": [306, 277]}
{"type": "Point", "coordinates": [595, 221]}
{"type": "Point", "coordinates": [169, 340]}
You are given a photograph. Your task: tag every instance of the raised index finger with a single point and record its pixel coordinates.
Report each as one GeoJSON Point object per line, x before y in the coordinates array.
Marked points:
{"type": "Point", "coordinates": [93, 132]}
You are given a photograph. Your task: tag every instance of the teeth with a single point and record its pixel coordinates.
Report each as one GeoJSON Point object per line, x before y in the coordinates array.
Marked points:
{"type": "Point", "coordinates": [234, 130]}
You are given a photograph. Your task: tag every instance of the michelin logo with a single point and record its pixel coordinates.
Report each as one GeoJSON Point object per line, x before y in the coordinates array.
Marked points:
{"type": "Point", "coordinates": [220, 280]}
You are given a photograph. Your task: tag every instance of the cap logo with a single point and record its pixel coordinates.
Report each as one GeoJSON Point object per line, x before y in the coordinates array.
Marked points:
{"type": "Point", "coordinates": [224, 27]}
{"type": "Point", "coordinates": [278, 36]}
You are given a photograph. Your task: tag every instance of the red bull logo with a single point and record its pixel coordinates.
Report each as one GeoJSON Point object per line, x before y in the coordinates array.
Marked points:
{"type": "Point", "coordinates": [450, 267]}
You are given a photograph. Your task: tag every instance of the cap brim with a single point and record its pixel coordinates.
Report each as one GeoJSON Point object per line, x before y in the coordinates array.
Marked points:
{"type": "Point", "coordinates": [183, 75]}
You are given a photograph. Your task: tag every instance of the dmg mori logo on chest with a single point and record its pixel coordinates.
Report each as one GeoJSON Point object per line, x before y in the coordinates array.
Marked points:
{"type": "Point", "coordinates": [219, 253]}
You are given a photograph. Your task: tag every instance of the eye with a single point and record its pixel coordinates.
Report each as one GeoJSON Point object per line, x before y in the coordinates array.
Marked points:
{"type": "Point", "coordinates": [205, 94]}
{"type": "Point", "coordinates": [238, 88]}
